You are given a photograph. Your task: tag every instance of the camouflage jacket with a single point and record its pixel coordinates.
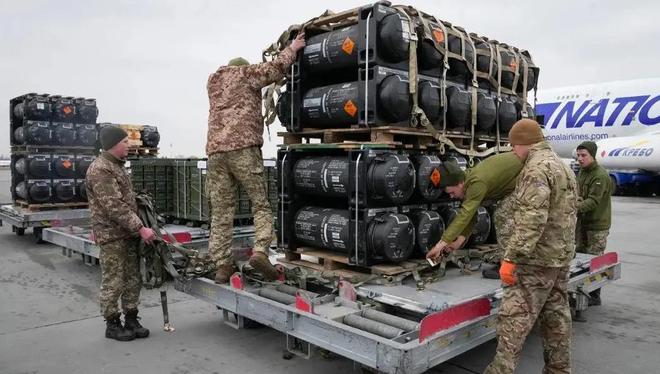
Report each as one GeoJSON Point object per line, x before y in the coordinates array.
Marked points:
{"type": "Point", "coordinates": [545, 211]}
{"type": "Point", "coordinates": [111, 200]}
{"type": "Point", "coordinates": [235, 119]}
{"type": "Point", "coordinates": [493, 179]}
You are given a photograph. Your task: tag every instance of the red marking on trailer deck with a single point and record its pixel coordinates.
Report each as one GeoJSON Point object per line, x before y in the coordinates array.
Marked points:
{"type": "Point", "coordinates": [236, 281]}
{"type": "Point", "coordinates": [603, 261]}
{"type": "Point", "coordinates": [450, 317]}
{"type": "Point", "coordinates": [179, 237]}
{"type": "Point", "coordinates": [303, 302]}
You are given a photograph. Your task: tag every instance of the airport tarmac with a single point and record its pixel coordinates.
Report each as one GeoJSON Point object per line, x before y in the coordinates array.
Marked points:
{"type": "Point", "coordinates": [50, 322]}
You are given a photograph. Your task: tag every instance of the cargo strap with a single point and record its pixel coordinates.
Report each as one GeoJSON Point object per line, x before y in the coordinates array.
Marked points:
{"type": "Point", "coordinates": [274, 90]}
{"type": "Point", "coordinates": [157, 265]}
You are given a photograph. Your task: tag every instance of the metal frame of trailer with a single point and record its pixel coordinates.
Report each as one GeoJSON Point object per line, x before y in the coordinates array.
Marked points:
{"type": "Point", "coordinates": [77, 239]}
{"type": "Point", "coordinates": [459, 313]}
{"type": "Point", "coordinates": [415, 328]}
{"type": "Point", "coordinates": [21, 219]}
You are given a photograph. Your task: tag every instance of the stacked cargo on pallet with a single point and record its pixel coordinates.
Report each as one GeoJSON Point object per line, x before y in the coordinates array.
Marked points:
{"type": "Point", "coordinates": [178, 188]}
{"type": "Point", "coordinates": [53, 141]}
{"type": "Point", "coordinates": [143, 139]}
{"type": "Point", "coordinates": [393, 93]}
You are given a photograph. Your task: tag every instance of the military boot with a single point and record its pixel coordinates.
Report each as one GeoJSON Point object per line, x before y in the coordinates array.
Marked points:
{"type": "Point", "coordinates": [224, 272]}
{"type": "Point", "coordinates": [131, 323]}
{"type": "Point", "coordinates": [114, 329]}
{"type": "Point", "coordinates": [260, 262]}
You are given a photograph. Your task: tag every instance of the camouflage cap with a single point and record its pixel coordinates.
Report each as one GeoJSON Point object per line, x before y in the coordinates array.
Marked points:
{"type": "Point", "coordinates": [453, 174]}
{"type": "Point", "coordinates": [238, 61]}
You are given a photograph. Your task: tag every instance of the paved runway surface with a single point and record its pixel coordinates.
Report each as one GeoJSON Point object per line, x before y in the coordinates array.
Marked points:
{"type": "Point", "coordinates": [50, 323]}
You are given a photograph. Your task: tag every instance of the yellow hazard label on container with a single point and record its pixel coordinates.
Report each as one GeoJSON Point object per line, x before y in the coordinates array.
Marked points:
{"type": "Point", "coordinates": [66, 164]}
{"type": "Point", "coordinates": [435, 177]}
{"type": "Point", "coordinates": [67, 109]}
{"type": "Point", "coordinates": [350, 108]}
{"type": "Point", "coordinates": [348, 46]}
{"type": "Point", "coordinates": [438, 35]}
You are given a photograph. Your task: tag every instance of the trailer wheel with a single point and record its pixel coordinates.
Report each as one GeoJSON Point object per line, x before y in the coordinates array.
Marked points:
{"type": "Point", "coordinates": [645, 189]}
{"type": "Point", "coordinates": [37, 232]}
{"type": "Point", "coordinates": [20, 231]}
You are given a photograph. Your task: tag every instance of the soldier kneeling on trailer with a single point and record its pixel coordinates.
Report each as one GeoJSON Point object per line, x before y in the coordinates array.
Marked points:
{"type": "Point", "coordinates": [118, 231]}
{"type": "Point", "coordinates": [492, 180]}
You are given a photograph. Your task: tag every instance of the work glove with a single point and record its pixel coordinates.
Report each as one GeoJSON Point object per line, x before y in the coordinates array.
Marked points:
{"type": "Point", "coordinates": [507, 270]}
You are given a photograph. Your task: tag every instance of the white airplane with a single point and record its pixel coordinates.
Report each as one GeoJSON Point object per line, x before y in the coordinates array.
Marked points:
{"type": "Point", "coordinates": [622, 117]}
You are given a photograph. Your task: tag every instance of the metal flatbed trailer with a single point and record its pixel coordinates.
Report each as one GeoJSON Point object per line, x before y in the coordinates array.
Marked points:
{"type": "Point", "coordinates": [403, 328]}
{"type": "Point", "coordinates": [78, 239]}
{"type": "Point", "coordinates": [21, 219]}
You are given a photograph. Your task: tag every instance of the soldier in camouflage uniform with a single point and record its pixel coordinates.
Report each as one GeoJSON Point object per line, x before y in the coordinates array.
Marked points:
{"type": "Point", "coordinates": [235, 131]}
{"type": "Point", "coordinates": [537, 255]}
{"type": "Point", "coordinates": [117, 230]}
{"type": "Point", "coordinates": [594, 209]}
{"type": "Point", "coordinates": [493, 179]}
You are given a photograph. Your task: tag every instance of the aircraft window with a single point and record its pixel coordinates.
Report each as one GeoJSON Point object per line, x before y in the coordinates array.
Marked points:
{"type": "Point", "coordinates": [608, 94]}
{"type": "Point", "coordinates": [577, 96]}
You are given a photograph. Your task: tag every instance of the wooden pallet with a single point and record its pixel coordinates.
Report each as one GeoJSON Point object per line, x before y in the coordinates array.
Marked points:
{"type": "Point", "coordinates": [385, 136]}
{"type": "Point", "coordinates": [324, 260]}
{"type": "Point", "coordinates": [50, 206]}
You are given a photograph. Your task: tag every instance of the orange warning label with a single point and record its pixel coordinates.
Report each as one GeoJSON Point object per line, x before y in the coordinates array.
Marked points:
{"type": "Point", "coordinates": [66, 164]}
{"type": "Point", "coordinates": [438, 35]}
{"type": "Point", "coordinates": [350, 108]}
{"type": "Point", "coordinates": [435, 177]}
{"type": "Point", "coordinates": [513, 65]}
{"type": "Point", "coordinates": [67, 109]}
{"type": "Point", "coordinates": [348, 46]}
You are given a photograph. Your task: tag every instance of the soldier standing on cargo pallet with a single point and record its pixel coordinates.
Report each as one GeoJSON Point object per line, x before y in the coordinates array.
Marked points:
{"type": "Point", "coordinates": [594, 208]}
{"type": "Point", "coordinates": [234, 155]}
{"type": "Point", "coordinates": [535, 267]}
{"type": "Point", "coordinates": [492, 180]}
{"type": "Point", "coordinates": [118, 230]}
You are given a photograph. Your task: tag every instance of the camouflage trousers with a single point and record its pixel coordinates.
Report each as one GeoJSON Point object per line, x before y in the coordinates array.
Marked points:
{"type": "Point", "coordinates": [503, 219]}
{"type": "Point", "coordinates": [539, 292]}
{"type": "Point", "coordinates": [591, 242]}
{"type": "Point", "coordinates": [225, 171]}
{"type": "Point", "coordinates": [120, 276]}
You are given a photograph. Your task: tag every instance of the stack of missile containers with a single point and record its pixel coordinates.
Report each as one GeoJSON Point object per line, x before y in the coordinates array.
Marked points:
{"type": "Point", "coordinates": [385, 203]}
{"type": "Point", "coordinates": [53, 141]}
{"type": "Point", "coordinates": [177, 186]}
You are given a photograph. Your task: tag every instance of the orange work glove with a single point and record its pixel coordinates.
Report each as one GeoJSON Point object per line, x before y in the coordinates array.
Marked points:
{"type": "Point", "coordinates": [507, 270]}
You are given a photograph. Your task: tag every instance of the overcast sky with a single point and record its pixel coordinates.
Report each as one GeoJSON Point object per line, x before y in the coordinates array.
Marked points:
{"type": "Point", "coordinates": [148, 61]}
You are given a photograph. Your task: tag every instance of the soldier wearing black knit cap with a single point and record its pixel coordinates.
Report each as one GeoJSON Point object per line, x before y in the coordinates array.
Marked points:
{"type": "Point", "coordinates": [117, 230]}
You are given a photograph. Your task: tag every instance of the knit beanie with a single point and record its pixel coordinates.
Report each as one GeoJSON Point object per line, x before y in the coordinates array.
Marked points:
{"type": "Point", "coordinates": [453, 174]}
{"type": "Point", "coordinates": [238, 61]}
{"type": "Point", "coordinates": [591, 147]}
{"type": "Point", "coordinates": [110, 136]}
{"type": "Point", "coordinates": [525, 132]}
